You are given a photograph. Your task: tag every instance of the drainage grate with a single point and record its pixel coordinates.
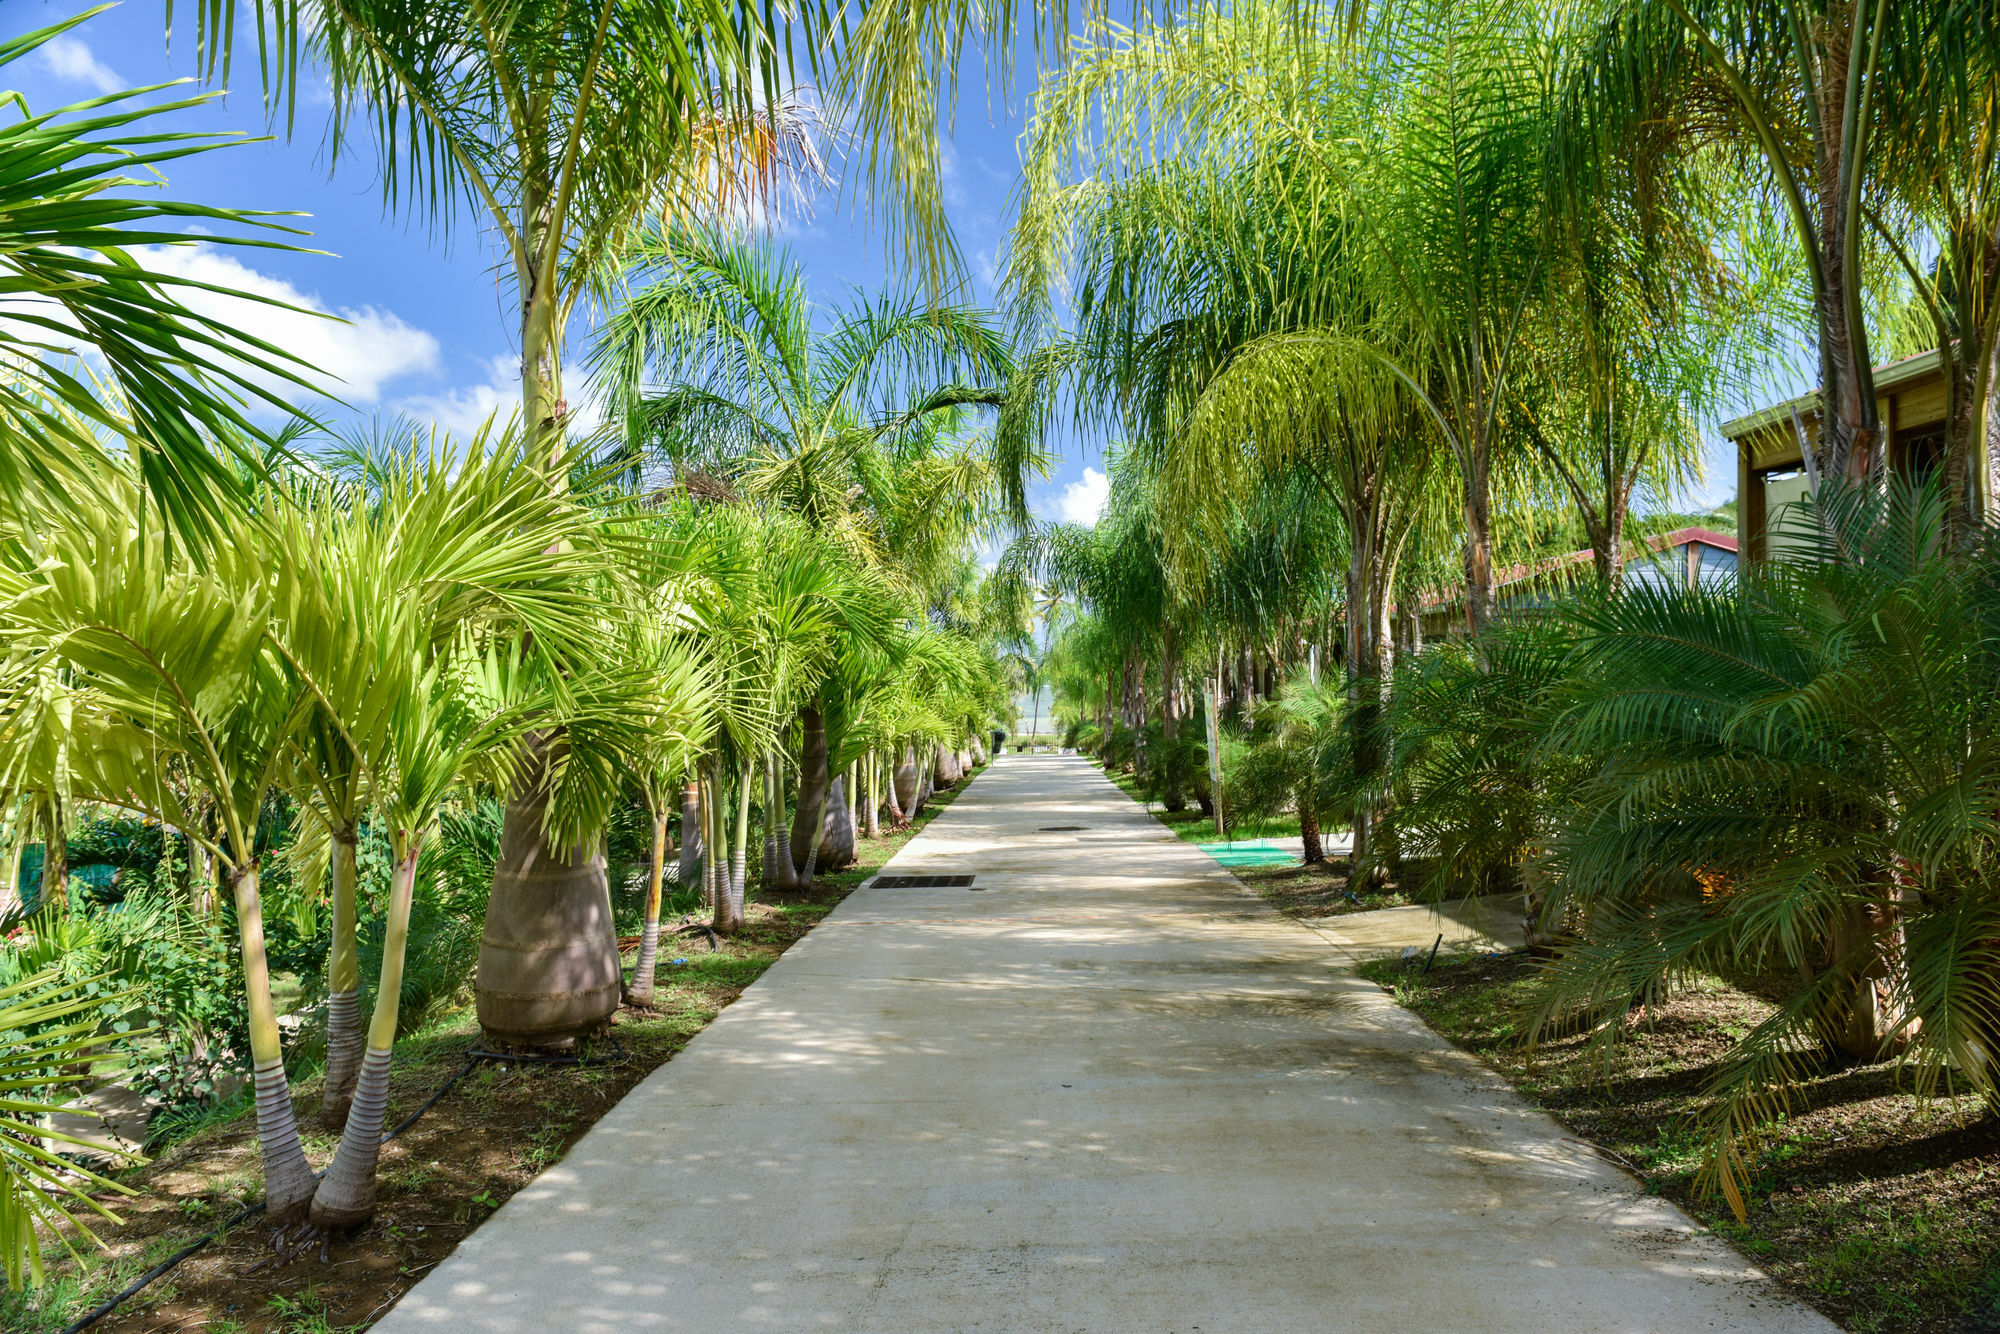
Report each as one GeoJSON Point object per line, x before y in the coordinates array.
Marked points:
{"type": "Point", "coordinates": [923, 882]}
{"type": "Point", "coordinates": [1062, 829]}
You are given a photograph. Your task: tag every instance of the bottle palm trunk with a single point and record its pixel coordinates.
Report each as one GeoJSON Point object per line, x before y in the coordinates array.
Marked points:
{"type": "Point", "coordinates": [640, 990]}
{"type": "Point", "coordinates": [345, 1041]}
{"type": "Point", "coordinates": [548, 960]}
{"type": "Point", "coordinates": [814, 783]}
{"type": "Point", "coordinates": [346, 1198]}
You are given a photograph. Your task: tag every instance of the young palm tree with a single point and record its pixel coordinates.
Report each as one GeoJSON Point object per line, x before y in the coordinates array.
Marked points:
{"type": "Point", "coordinates": [1796, 777]}
{"type": "Point", "coordinates": [446, 539]}
{"type": "Point", "coordinates": [176, 682]}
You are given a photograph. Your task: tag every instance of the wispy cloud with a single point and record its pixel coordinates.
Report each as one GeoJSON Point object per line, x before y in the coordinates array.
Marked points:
{"type": "Point", "coordinates": [71, 60]}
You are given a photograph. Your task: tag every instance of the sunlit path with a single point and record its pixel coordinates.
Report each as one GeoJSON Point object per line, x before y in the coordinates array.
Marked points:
{"type": "Point", "coordinates": [1104, 1089]}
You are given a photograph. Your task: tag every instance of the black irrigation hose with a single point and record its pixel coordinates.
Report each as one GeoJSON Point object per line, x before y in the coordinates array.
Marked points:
{"type": "Point", "coordinates": [160, 1270]}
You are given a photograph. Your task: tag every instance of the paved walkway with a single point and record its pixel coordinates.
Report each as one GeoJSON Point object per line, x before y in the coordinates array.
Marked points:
{"type": "Point", "coordinates": [1106, 1089]}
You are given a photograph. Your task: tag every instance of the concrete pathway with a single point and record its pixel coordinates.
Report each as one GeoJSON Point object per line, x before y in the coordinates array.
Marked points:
{"type": "Point", "coordinates": [1105, 1089]}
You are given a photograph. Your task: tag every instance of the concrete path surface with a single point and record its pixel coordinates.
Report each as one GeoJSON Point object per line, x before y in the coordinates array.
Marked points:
{"type": "Point", "coordinates": [1104, 1089]}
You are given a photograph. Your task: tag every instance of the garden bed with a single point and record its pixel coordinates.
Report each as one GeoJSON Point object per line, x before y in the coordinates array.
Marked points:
{"type": "Point", "coordinates": [1880, 1208]}
{"type": "Point", "coordinates": [484, 1140]}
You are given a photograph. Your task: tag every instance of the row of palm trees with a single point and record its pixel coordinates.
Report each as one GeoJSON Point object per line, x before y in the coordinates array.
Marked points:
{"type": "Point", "coordinates": [755, 591]}
{"type": "Point", "coordinates": [1385, 298]}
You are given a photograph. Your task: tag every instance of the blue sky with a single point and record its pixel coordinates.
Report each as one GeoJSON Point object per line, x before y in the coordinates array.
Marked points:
{"type": "Point", "coordinates": [429, 322]}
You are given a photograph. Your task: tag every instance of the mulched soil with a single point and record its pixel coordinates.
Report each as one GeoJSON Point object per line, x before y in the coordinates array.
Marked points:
{"type": "Point", "coordinates": [1317, 890]}
{"type": "Point", "coordinates": [1880, 1208]}
{"type": "Point", "coordinates": [490, 1135]}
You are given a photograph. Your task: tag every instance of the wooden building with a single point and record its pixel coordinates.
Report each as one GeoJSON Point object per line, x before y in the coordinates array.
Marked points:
{"type": "Point", "coordinates": [1911, 397]}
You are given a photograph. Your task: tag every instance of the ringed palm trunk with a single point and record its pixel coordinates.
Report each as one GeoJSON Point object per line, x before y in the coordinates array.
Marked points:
{"type": "Point", "coordinates": [548, 959]}
{"type": "Point", "coordinates": [640, 990]}
{"type": "Point", "coordinates": [345, 1041]}
{"type": "Point", "coordinates": [346, 1198]}
{"type": "Point", "coordinates": [903, 790]}
{"type": "Point", "coordinates": [836, 841]}
{"type": "Point", "coordinates": [729, 907]}
{"type": "Point", "coordinates": [779, 873]}
{"type": "Point", "coordinates": [892, 772]}
{"type": "Point", "coordinates": [288, 1177]}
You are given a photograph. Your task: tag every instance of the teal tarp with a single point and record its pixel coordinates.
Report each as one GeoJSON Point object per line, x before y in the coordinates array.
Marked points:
{"type": "Point", "coordinates": [1255, 852]}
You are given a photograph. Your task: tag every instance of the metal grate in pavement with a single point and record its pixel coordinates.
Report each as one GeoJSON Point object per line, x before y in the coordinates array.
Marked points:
{"type": "Point", "coordinates": [923, 882]}
{"type": "Point", "coordinates": [1062, 829]}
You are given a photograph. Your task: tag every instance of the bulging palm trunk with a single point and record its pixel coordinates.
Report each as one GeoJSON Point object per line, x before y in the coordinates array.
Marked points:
{"type": "Point", "coordinates": [346, 1198]}
{"type": "Point", "coordinates": [344, 1039]}
{"type": "Point", "coordinates": [288, 1177]}
{"type": "Point", "coordinates": [903, 790]}
{"type": "Point", "coordinates": [548, 960]}
{"type": "Point", "coordinates": [640, 990]}
{"type": "Point", "coordinates": [836, 841]}
{"type": "Point", "coordinates": [814, 782]}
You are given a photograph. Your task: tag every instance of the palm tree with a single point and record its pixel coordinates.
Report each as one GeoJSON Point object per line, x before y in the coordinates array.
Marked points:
{"type": "Point", "coordinates": [176, 681]}
{"type": "Point", "coordinates": [465, 714]}
{"type": "Point", "coordinates": [71, 248]}
{"type": "Point", "coordinates": [443, 539]}
{"type": "Point", "coordinates": [565, 124]}
{"type": "Point", "coordinates": [715, 365]}
{"type": "Point", "coordinates": [1794, 776]}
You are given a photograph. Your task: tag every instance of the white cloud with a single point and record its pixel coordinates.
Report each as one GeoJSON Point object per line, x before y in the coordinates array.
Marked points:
{"type": "Point", "coordinates": [351, 361]}
{"type": "Point", "coordinates": [70, 59]}
{"type": "Point", "coordinates": [1079, 502]}
{"type": "Point", "coordinates": [463, 410]}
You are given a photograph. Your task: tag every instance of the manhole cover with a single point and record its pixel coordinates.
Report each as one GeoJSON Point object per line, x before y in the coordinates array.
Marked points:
{"type": "Point", "coordinates": [1062, 829]}
{"type": "Point", "coordinates": [923, 882]}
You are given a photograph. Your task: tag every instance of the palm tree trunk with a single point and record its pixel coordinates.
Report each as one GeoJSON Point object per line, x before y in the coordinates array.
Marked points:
{"type": "Point", "coordinates": [346, 1198]}
{"type": "Point", "coordinates": [548, 961]}
{"type": "Point", "coordinates": [779, 873]}
{"type": "Point", "coordinates": [640, 990]}
{"type": "Point", "coordinates": [892, 775]}
{"type": "Point", "coordinates": [1171, 795]}
{"type": "Point", "coordinates": [288, 1177]}
{"type": "Point", "coordinates": [874, 803]}
{"type": "Point", "coordinates": [1315, 851]}
{"type": "Point", "coordinates": [904, 785]}
{"type": "Point", "coordinates": [814, 781]}
{"type": "Point", "coordinates": [344, 1038]}
{"type": "Point", "coordinates": [729, 890]}
{"type": "Point", "coordinates": [836, 840]}
{"type": "Point", "coordinates": [690, 832]}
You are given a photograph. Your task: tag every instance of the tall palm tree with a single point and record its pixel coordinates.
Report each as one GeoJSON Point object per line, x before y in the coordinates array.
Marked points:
{"type": "Point", "coordinates": [563, 125]}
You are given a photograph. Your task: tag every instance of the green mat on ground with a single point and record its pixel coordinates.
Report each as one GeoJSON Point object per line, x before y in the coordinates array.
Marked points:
{"type": "Point", "coordinates": [1254, 852]}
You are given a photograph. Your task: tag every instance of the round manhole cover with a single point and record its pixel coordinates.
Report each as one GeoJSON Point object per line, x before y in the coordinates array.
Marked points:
{"type": "Point", "coordinates": [1062, 829]}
